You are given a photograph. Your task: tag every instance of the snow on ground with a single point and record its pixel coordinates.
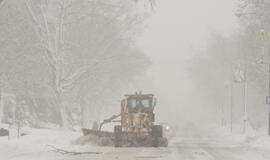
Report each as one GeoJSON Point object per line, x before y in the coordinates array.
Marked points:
{"type": "Point", "coordinates": [39, 143]}
{"type": "Point", "coordinates": [211, 142]}
{"type": "Point", "coordinates": [255, 139]}
{"type": "Point", "coordinates": [191, 142]}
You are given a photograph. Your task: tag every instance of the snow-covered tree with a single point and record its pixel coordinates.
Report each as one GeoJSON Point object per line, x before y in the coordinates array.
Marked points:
{"type": "Point", "coordinates": [73, 45]}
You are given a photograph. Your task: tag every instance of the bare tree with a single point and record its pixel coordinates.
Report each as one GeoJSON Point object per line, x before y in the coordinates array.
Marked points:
{"type": "Point", "coordinates": [72, 63]}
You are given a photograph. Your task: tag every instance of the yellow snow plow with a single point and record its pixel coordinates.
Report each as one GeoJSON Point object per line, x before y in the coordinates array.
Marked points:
{"type": "Point", "coordinates": [136, 123]}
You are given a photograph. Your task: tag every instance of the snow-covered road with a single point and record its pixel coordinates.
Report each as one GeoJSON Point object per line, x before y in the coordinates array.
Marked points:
{"type": "Point", "coordinates": [193, 143]}
{"type": "Point", "coordinates": [189, 143]}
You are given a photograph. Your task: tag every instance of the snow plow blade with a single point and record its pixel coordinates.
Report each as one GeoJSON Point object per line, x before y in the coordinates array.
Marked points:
{"type": "Point", "coordinates": [96, 133]}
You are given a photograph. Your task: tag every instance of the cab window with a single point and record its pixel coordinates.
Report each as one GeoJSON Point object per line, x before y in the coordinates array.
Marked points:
{"type": "Point", "coordinates": [135, 103]}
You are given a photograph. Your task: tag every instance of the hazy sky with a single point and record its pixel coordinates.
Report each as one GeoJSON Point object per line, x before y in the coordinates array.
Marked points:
{"type": "Point", "coordinates": [175, 29]}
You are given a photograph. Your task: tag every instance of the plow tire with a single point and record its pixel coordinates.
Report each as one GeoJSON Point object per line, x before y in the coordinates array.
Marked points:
{"type": "Point", "coordinates": [160, 142]}
{"type": "Point", "coordinates": [155, 142]}
{"type": "Point", "coordinates": [163, 142]}
{"type": "Point", "coordinates": [157, 133]}
{"type": "Point", "coordinates": [117, 136]}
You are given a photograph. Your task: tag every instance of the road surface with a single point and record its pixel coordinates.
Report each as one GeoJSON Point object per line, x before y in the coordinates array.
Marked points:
{"type": "Point", "coordinates": [194, 143]}
{"type": "Point", "coordinates": [188, 143]}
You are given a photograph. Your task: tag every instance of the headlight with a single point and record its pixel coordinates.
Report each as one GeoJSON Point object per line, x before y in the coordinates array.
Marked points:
{"type": "Point", "coordinates": [167, 128]}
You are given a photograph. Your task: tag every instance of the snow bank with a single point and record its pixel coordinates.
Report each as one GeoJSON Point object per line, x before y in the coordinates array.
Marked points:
{"type": "Point", "coordinates": [91, 139]}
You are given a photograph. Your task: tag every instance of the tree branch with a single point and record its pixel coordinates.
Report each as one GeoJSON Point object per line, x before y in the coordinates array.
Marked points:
{"type": "Point", "coordinates": [62, 151]}
{"type": "Point", "coordinates": [35, 19]}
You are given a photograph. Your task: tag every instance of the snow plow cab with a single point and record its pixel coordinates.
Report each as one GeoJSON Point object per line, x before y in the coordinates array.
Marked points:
{"type": "Point", "coordinates": [136, 120]}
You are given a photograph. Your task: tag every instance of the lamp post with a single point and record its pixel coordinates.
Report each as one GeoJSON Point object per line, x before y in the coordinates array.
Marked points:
{"type": "Point", "coordinates": [240, 77]}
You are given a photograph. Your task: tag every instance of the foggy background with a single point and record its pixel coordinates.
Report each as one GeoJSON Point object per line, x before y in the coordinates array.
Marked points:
{"type": "Point", "coordinates": [175, 31]}
{"type": "Point", "coordinates": [69, 63]}
{"type": "Point", "coordinates": [66, 66]}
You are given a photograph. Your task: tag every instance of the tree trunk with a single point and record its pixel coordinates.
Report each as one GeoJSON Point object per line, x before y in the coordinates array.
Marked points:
{"type": "Point", "coordinates": [63, 114]}
{"type": "Point", "coordinates": [63, 110]}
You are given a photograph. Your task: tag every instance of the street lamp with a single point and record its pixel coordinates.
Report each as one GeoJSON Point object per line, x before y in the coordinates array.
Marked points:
{"type": "Point", "coordinates": [240, 77]}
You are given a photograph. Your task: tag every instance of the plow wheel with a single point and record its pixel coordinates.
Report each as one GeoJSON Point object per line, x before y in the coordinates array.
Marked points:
{"type": "Point", "coordinates": [117, 136]}
{"type": "Point", "coordinates": [156, 135]}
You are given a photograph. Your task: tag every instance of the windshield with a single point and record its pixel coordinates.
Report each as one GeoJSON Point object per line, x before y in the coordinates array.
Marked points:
{"type": "Point", "coordinates": [135, 103]}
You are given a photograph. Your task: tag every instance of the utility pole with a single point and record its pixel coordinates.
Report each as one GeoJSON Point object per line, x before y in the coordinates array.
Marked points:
{"type": "Point", "coordinates": [269, 92]}
{"type": "Point", "coordinates": [231, 107]}
{"type": "Point", "coordinates": [245, 107]}
{"type": "Point", "coordinates": [245, 93]}
{"type": "Point", "coordinates": [1, 105]}
{"type": "Point", "coordinates": [263, 37]}
{"type": "Point", "coordinates": [1, 99]}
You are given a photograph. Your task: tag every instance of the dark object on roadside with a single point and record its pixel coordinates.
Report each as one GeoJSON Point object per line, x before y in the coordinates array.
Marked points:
{"type": "Point", "coordinates": [4, 132]}
{"type": "Point", "coordinates": [23, 134]}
